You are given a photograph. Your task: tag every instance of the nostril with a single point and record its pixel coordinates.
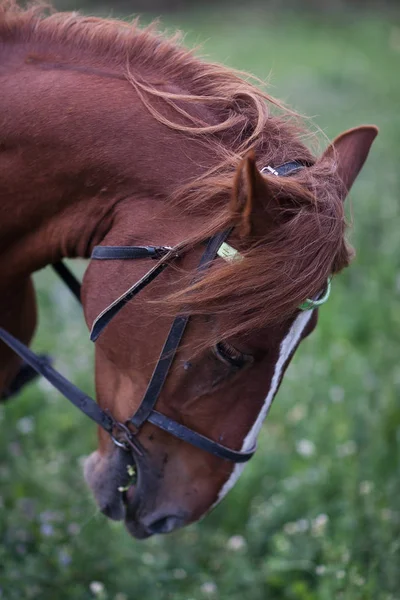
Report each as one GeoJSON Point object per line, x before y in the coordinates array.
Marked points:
{"type": "Point", "coordinates": [166, 524]}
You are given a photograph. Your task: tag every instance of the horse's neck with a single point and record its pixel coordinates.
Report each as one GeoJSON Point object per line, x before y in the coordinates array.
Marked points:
{"type": "Point", "coordinates": [45, 223]}
{"type": "Point", "coordinates": [72, 147]}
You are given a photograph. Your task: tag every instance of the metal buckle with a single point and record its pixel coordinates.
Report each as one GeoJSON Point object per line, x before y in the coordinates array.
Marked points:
{"type": "Point", "coordinates": [161, 251]}
{"type": "Point", "coordinates": [128, 442]}
{"type": "Point", "coordinates": [269, 169]}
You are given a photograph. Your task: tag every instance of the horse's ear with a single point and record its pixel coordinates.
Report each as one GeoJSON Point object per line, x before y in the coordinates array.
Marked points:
{"type": "Point", "coordinates": [250, 190]}
{"type": "Point", "coordinates": [349, 151]}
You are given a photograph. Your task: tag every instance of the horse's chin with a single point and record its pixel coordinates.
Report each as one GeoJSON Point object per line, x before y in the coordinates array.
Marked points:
{"type": "Point", "coordinates": [134, 527]}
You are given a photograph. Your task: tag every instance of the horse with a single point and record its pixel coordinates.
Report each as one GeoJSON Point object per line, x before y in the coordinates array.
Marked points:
{"type": "Point", "coordinates": [117, 142]}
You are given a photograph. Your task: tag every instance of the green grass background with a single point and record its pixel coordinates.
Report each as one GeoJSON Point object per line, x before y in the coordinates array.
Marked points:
{"type": "Point", "coordinates": [316, 515]}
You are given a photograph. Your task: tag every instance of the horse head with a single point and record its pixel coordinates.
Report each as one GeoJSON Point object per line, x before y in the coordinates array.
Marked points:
{"type": "Point", "coordinates": [244, 329]}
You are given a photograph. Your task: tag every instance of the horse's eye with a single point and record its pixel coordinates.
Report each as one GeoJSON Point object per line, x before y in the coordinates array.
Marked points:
{"type": "Point", "coordinates": [230, 356]}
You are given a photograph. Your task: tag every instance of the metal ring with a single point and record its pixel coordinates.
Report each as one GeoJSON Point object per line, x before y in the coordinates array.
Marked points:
{"type": "Point", "coordinates": [128, 442]}
{"type": "Point", "coordinates": [311, 304]}
{"type": "Point", "coordinates": [119, 444]}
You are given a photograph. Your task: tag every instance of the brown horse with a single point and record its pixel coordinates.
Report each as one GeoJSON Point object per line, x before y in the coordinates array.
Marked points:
{"type": "Point", "coordinates": [112, 135]}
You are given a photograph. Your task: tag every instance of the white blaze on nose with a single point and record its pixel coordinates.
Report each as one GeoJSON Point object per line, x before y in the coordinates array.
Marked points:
{"type": "Point", "coordinates": [287, 346]}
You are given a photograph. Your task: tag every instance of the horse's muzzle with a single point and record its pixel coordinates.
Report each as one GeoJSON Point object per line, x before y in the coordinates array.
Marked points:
{"type": "Point", "coordinates": [146, 512]}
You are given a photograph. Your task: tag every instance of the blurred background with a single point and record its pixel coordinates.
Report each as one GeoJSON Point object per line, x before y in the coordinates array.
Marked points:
{"type": "Point", "coordinates": [316, 514]}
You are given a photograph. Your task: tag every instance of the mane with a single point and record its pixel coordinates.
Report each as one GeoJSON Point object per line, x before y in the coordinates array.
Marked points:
{"type": "Point", "coordinates": [230, 115]}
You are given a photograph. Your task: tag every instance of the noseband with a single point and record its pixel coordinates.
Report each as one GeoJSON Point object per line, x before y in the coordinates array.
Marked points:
{"type": "Point", "coordinates": [125, 434]}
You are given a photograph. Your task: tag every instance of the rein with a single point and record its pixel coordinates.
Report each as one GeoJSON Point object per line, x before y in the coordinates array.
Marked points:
{"type": "Point", "coordinates": [124, 434]}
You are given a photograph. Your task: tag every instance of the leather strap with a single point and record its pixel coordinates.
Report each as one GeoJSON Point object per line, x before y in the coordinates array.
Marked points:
{"type": "Point", "coordinates": [172, 342]}
{"type": "Point", "coordinates": [129, 252]}
{"type": "Point", "coordinates": [108, 253]}
{"type": "Point", "coordinates": [85, 404]}
{"type": "Point", "coordinates": [196, 439]}
{"type": "Point", "coordinates": [104, 318]}
{"type": "Point", "coordinates": [69, 279]}
{"type": "Point", "coordinates": [289, 168]}
{"type": "Point", "coordinates": [146, 410]}
{"type": "Point", "coordinates": [160, 372]}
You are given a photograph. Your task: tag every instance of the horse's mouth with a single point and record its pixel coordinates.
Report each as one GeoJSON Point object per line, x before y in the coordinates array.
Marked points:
{"type": "Point", "coordinates": [127, 489]}
{"type": "Point", "coordinates": [130, 501]}
{"type": "Point", "coordinates": [124, 505]}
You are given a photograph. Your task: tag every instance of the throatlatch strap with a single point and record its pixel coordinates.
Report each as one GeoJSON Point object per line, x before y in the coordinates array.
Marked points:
{"type": "Point", "coordinates": [86, 404]}
{"type": "Point", "coordinates": [69, 279]}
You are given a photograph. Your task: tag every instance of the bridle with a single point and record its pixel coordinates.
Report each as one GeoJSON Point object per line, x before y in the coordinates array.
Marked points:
{"type": "Point", "coordinates": [124, 435]}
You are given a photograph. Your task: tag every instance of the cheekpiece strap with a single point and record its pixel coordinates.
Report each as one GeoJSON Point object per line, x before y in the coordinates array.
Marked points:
{"type": "Point", "coordinates": [173, 340]}
{"type": "Point", "coordinates": [284, 170]}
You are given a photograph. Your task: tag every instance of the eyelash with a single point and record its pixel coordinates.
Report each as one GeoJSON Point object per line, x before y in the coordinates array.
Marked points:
{"type": "Point", "coordinates": [230, 356]}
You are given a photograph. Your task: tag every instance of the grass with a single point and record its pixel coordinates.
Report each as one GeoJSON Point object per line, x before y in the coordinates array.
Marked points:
{"type": "Point", "coordinates": [316, 514]}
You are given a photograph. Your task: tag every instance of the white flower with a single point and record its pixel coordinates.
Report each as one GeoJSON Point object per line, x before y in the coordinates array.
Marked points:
{"type": "Point", "coordinates": [297, 413]}
{"type": "Point", "coordinates": [302, 525]}
{"type": "Point", "coordinates": [97, 588]}
{"type": "Point", "coordinates": [46, 529]}
{"type": "Point", "coordinates": [147, 558]}
{"type": "Point", "coordinates": [319, 524]}
{"type": "Point", "coordinates": [346, 556]}
{"type": "Point", "coordinates": [366, 487]}
{"type": "Point", "coordinates": [74, 529]}
{"type": "Point", "coordinates": [320, 569]}
{"type": "Point", "coordinates": [358, 580]}
{"type": "Point", "coordinates": [290, 528]}
{"type": "Point", "coordinates": [179, 574]}
{"type": "Point", "coordinates": [305, 448]}
{"type": "Point", "coordinates": [26, 425]}
{"type": "Point", "coordinates": [293, 527]}
{"type": "Point", "coordinates": [386, 513]}
{"type": "Point", "coordinates": [236, 542]}
{"type": "Point", "coordinates": [346, 449]}
{"type": "Point", "coordinates": [336, 394]}
{"type": "Point", "coordinates": [341, 574]}
{"type": "Point", "coordinates": [209, 588]}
